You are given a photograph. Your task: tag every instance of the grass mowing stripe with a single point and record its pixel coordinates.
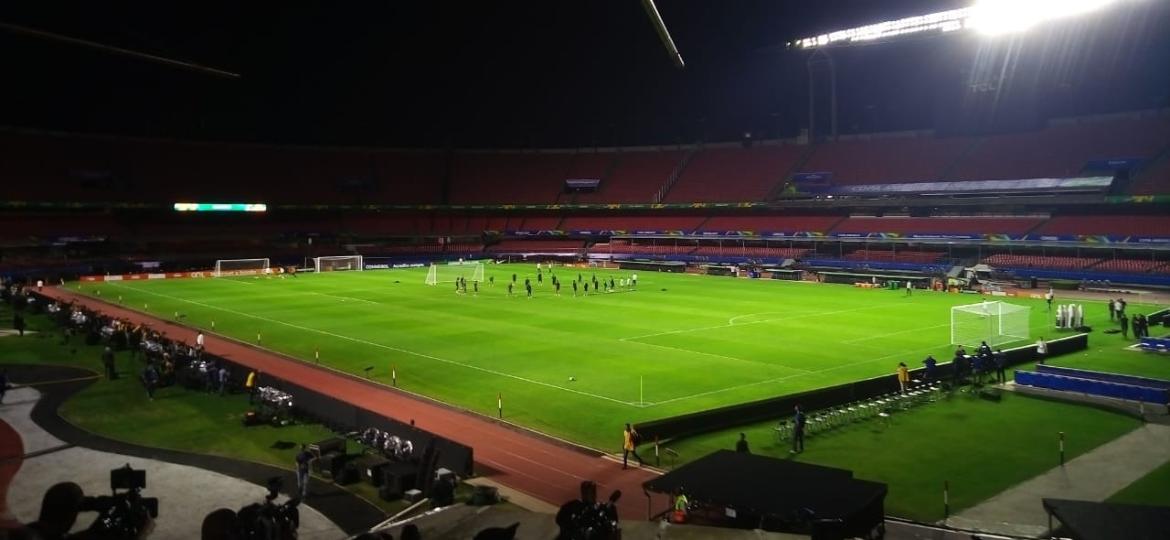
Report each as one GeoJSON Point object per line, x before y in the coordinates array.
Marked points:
{"type": "Point", "coordinates": [387, 347]}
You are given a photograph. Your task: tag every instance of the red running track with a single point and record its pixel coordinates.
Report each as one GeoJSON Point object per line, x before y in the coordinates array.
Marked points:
{"type": "Point", "coordinates": [528, 462]}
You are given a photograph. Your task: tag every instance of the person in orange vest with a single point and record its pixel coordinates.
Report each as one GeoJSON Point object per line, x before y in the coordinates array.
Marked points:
{"type": "Point", "coordinates": [629, 446]}
{"type": "Point", "coordinates": [250, 385]}
{"type": "Point", "coordinates": [903, 376]}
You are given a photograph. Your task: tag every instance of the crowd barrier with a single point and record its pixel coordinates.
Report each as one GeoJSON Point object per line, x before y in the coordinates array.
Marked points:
{"type": "Point", "coordinates": [823, 398]}
{"type": "Point", "coordinates": [1093, 387]}
{"type": "Point", "coordinates": [1103, 376]}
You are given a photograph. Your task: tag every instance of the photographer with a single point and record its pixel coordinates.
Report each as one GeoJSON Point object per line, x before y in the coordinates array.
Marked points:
{"type": "Point", "coordinates": [120, 516]}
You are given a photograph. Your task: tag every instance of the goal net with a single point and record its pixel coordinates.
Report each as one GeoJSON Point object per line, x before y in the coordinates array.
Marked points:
{"type": "Point", "coordinates": [448, 273]}
{"type": "Point", "coordinates": [241, 267]}
{"type": "Point", "coordinates": [338, 263]}
{"type": "Point", "coordinates": [994, 322]}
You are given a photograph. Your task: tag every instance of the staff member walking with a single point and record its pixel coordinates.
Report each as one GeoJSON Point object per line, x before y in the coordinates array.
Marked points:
{"type": "Point", "coordinates": [798, 421]}
{"type": "Point", "coordinates": [629, 446]}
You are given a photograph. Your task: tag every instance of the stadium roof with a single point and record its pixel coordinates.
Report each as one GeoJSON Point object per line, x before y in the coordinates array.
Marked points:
{"type": "Point", "coordinates": [513, 74]}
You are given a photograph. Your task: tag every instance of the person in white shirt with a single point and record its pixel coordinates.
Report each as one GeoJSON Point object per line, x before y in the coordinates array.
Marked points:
{"type": "Point", "coordinates": [1041, 350]}
{"type": "Point", "coordinates": [199, 340]}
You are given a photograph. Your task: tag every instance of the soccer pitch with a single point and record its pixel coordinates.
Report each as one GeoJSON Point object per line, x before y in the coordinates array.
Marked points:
{"type": "Point", "coordinates": [576, 367]}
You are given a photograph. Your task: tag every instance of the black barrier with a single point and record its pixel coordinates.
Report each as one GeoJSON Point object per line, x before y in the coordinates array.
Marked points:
{"type": "Point", "coordinates": [822, 398]}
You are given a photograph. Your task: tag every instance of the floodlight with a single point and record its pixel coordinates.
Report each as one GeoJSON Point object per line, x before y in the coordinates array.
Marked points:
{"type": "Point", "coordinates": [996, 17]}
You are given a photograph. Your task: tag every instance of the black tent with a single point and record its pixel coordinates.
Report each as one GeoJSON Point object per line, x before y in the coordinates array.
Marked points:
{"type": "Point", "coordinates": [779, 495]}
{"type": "Point", "coordinates": [1085, 520]}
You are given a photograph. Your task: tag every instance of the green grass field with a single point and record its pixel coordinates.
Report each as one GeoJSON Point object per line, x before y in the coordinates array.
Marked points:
{"type": "Point", "coordinates": [980, 447]}
{"type": "Point", "coordinates": [679, 343]}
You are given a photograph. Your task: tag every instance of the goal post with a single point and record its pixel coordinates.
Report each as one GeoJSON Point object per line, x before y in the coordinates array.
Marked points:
{"type": "Point", "coordinates": [449, 272]}
{"type": "Point", "coordinates": [994, 322]}
{"type": "Point", "coordinates": [338, 263]}
{"type": "Point", "coordinates": [241, 267]}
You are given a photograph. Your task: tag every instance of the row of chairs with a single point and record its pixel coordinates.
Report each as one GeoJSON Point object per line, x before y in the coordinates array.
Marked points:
{"type": "Point", "coordinates": [880, 407]}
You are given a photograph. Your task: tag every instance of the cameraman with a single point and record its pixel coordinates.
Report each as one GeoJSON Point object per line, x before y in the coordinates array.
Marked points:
{"type": "Point", "coordinates": [60, 507]}
{"type": "Point", "coordinates": [586, 519]}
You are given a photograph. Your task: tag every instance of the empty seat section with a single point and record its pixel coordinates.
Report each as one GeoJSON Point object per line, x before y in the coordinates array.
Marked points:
{"type": "Point", "coordinates": [1011, 260]}
{"type": "Point", "coordinates": [631, 224]}
{"type": "Point", "coordinates": [636, 177]}
{"type": "Point", "coordinates": [733, 174]}
{"type": "Point", "coordinates": [1107, 225]}
{"type": "Point", "coordinates": [508, 178]}
{"type": "Point", "coordinates": [1063, 150]}
{"type": "Point", "coordinates": [886, 160]}
{"type": "Point", "coordinates": [539, 223]}
{"type": "Point", "coordinates": [536, 246]}
{"type": "Point", "coordinates": [774, 224]}
{"type": "Point", "coordinates": [937, 225]}
{"type": "Point", "coordinates": [1133, 266]}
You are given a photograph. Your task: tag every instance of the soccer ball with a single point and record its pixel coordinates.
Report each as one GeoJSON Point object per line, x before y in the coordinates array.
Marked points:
{"type": "Point", "coordinates": [571, 378]}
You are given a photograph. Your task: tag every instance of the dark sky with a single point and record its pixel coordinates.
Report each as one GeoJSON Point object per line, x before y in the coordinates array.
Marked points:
{"type": "Point", "coordinates": [521, 73]}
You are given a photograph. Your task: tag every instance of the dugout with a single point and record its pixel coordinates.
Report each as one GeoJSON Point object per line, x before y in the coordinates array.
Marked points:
{"type": "Point", "coordinates": [652, 266]}
{"type": "Point", "coordinates": [749, 491]}
{"type": "Point", "coordinates": [919, 281]}
{"type": "Point", "coordinates": [1085, 520]}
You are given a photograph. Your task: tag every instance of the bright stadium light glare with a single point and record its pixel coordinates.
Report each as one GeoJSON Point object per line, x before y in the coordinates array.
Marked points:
{"type": "Point", "coordinates": [988, 17]}
{"type": "Point", "coordinates": [997, 17]}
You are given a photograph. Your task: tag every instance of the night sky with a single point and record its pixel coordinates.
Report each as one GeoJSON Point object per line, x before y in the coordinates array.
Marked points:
{"type": "Point", "coordinates": [547, 74]}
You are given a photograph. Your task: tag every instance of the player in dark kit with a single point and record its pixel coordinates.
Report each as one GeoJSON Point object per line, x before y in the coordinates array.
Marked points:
{"type": "Point", "coordinates": [509, 289]}
{"type": "Point", "coordinates": [540, 278]}
{"type": "Point", "coordinates": [528, 287]}
{"type": "Point", "coordinates": [557, 287]}
{"type": "Point", "coordinates": [574, 288]}
{"type": "Point", "coordinates": [492, 281]}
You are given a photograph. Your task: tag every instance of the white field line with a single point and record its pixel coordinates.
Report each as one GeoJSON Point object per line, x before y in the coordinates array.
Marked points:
{"type": "Point", "coordinates": [879, 336]}
{"type": "Point", "coordinates": [745, 360]}
{"type": "Point", "coordinates": [381, 346]}
{"type": "Point", "coordinates": [786, 377]}
{"type": "Point", "coordinates": [718, 326]}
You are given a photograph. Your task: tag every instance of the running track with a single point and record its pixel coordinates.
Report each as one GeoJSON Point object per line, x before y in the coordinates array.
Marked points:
{"type": "Point", "coordinates": [526, 462]}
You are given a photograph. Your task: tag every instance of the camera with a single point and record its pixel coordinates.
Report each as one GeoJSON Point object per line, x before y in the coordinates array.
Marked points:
{"type": "Point", "coordinates": [125, 513]}
{"type": "Point", "coordinates": [268, 520]}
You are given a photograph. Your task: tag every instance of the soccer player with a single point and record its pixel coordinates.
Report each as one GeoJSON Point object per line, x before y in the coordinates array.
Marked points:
{"type": "Point", "coordinates": [509, 289]}
{"type": "Point", "coordinates": [513, 278]}
{"type": "Point", "coordinates": [1048, 296]}
{"type": "Point", "coordinates": [557, 287]}
{"type": "Point", "coordinates": [475, 287]}
{"type": "Point", "coordinates": [586, 288]}
{"type": "Point", "coordinates": [540, 277]}
{"type": "Point", "coordinates": [909, 288]}
{"type": "Point", "coordinates": [528, 287]}
{"type": "Point", "coordinates": [574, 288]}
{"type": "Point", "coordinates": [634, 280]}
{"type": "Point", "coordinates": [492, 281]}
{"type": "Point", "coordinates": [611, 285]}
{"type": "Point", "coordinates": [457, 286]}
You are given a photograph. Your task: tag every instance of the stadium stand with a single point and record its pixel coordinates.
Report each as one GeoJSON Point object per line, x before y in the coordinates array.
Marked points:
{"type": "Point", "coordinates": [879, 160]}
{"type": "Point", "coordinates": [898, 255]}
{"type": "Point", "coordinates": [787, 224]}
{"type": "Point", "coordinates": [1106, 225]}
{"type": "Point", "coordinates": [741, 250]}
{"type": "Point", "coordinates": [536, 246]}
{"type": "Point", "coordinates": [1007, 260]}
{"type": "Point", "coordinates": [1063, 149]}
{"type": "Point", "coordinates": [938, 225]}
{"type": "Point", "coordinates": [631, 223]}
{"type": "Point", "coordinates": [482, 178]}
{"type": "Point", "coordinates": [734, 174]}
{"type": "Point", "coordinates": [1133, 266]}
{"type": "Point", "coordinates": [636, 177]}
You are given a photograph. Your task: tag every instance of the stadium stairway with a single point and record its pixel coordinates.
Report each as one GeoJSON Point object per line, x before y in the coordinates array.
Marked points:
{"type": "Point", "coordinates": [675, 175]}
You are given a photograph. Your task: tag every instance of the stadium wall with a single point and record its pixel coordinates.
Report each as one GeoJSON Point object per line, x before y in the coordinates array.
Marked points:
{"type": "Point", "coordinates": [780, 407]}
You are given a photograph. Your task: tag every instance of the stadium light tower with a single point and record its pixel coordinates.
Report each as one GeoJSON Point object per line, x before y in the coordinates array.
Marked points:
{"type": "Point", "coordinates": [988, 17]}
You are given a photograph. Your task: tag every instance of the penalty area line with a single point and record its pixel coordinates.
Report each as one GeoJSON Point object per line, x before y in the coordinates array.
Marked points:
{"type": "Point", "coordinates": [387, 347]}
